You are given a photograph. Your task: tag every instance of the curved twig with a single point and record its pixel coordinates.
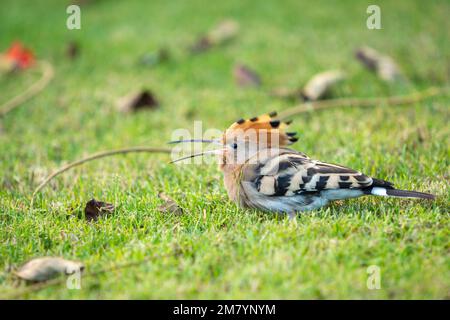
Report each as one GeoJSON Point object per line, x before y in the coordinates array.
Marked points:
{"type": "Point", "coordinates": [94, 157]}
{"type": "Point", "coordinates": [362, 102]}
{"type": "Point", "coordinates": [35, 88]}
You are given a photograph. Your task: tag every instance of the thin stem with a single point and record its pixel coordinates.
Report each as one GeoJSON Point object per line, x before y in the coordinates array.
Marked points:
{"type": "Point", "coordinates": [35, 88]}
{"type": "Point", "coordinates": [94, 157]}
{"type": "Point", "coordinates": [363, 102]}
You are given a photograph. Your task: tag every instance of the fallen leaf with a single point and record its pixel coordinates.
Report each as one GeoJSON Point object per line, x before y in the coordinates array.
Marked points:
{"type": "Point", "coordinates": [189, 114]}
{"type": "Point", "coordinates": [224, 31]}
{"type": "Point", "coordinates": [95, 209]}
{"type": "Point", "coordinates": [137, 101]}
{"type": "Point", "coordinates": [202, 44]}
{"type": "Point", "coordinates": [42, 269]}
{"type": "Point", "coordinates": [73, 50]}
{"type": "Point", "coordinates": [153, 58]}
{"type": "Point", "coordinates": [422, 135]}
{"type": "Point", "coordinates": [245, 77]}
{"type": "Point", "coordinates": [169, 205]}
{"type": "Point", "coordinates": [320, 84]}
{"type": "Point", "coordinates": [220, 34]}
{"type": "Point", "coordinates": [17, 57]}
{"type": "Point", "coordinates": [384, 66]}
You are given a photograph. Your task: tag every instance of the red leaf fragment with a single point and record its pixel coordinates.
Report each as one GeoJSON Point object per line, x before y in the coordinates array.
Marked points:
{"type": "Point", "coordinates": [22, 57]}
{"type": "Point", "coordinates": [16, 57]}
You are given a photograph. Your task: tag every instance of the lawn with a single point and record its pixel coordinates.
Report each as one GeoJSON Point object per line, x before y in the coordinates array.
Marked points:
{"type": "Point", "coordinates": [214, 249]}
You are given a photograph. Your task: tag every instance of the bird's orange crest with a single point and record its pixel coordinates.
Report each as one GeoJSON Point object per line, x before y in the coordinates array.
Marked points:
{"type": "Point", "coordinates": [264, 129]}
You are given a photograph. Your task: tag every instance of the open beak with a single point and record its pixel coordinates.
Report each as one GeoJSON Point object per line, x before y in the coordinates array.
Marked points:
{"type": "Point", "coordinates": [219, 151]}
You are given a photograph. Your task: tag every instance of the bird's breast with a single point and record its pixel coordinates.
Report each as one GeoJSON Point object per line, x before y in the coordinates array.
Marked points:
{"type": "Point", "coordinates": [231, 182]}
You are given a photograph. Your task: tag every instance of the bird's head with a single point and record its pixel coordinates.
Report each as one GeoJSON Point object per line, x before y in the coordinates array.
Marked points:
{"type": "Point", "coordinates": [246, 138]}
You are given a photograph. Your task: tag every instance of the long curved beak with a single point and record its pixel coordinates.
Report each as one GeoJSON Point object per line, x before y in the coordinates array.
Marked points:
{"type": "Point", "coordinates": [195, 140]}
{"type": "Point", "coordinates": [198, 155]}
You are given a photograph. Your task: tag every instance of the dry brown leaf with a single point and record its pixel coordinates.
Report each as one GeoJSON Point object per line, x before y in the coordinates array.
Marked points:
{"type": "Point", "coordinates": [169, 205]}
{"type": "Point", "coordinates": [220, 34]}
{"type": "Point", "coordinates": [321, 83]}
{"type": "Point", "coordinates": [46, 268]}
{"type": "Point", "coordinates": [224, 31]}
{"type": "Point", "coordinates": [154, 58]}
{"type": "Point", "coordinates": [73, 50]}
{"type": "Point", "coordinates": [384, 66]}
{"type": "Point", "coordinates": [245, 77]}
{"type": "Point", "coordinates": [316, 88]}
{"type": "Point", "coordinates": [95, 209]}
{"type": "Point", "coordinates": [137, 101]}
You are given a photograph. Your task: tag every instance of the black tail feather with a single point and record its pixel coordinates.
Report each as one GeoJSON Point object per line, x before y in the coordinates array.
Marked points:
{"type": "Point", "coordinates": [409, 194]}
{"type": "Point", "coordinates": [391, 191]}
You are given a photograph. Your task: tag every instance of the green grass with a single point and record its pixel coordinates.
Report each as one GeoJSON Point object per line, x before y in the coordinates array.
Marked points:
{"type": "Point", "coordinates": [216, 250]}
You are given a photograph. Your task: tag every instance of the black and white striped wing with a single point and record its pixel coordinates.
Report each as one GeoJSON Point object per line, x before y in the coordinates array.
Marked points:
{"type": "Point", "coordinates": [291, 174]}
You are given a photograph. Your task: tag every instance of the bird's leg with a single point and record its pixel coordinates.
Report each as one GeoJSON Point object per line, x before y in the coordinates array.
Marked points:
{"type": "Point", "coordinates": [292, 216]}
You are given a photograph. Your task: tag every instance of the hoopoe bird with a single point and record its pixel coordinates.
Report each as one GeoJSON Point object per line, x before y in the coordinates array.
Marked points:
{"type": "Point", "coordinates": [261, 172]}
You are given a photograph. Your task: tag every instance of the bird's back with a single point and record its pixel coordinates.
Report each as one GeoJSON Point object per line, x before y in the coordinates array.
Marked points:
{"type": "Point", "coordinates": [285, 180]}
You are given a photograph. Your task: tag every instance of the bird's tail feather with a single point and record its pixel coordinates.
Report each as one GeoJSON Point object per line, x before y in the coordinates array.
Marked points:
{"type": "Point", "coordinates": [380, 191]}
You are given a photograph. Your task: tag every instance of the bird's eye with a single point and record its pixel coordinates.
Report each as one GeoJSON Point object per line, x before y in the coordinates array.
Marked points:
{"type": "Point", "coordinates": [234, 145]}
